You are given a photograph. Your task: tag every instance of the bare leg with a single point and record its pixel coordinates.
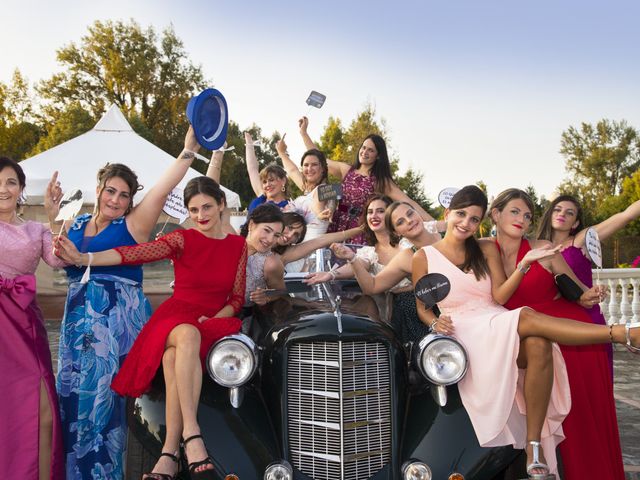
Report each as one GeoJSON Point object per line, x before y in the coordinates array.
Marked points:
{"type": "Point", "coordinates": [173, 416]}
{"type": "Point", "coordinates": [570, 332]}
{"type": "Point", "coordinates": [188, 371]}
{"type": "Point", "coordinates": [45, 434]}
{"type": "Point", "coordinates": [535, 356]}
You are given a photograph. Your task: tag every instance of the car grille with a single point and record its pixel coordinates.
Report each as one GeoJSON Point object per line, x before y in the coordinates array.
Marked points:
{"type": "Point", "coordinates": [339, 409]}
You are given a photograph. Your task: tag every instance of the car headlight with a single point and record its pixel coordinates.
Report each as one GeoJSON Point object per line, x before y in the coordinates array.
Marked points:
{"type": "Point", "coordinates": [279, 471]}
{"type": "Point", "coordinates": [441, 359]}
{"type": "Point", "coordinates": [232, 360]}
{"type": "Point", "coordinates": [416, 471]}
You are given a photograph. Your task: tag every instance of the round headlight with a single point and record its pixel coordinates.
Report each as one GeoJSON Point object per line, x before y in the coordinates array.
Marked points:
{"type": "Point", "coordinates": [232, 360]}
{"type": "Point", "coordinates": [416, 471]}
{"type": "Point", "coordinates": [279, 471]}
{"type": "Point", "coordinates": [443, 361]}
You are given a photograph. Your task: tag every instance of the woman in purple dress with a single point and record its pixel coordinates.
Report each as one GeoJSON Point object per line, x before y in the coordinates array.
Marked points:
{"type": "Point", "coordinates": [30, 435]}
{"type": "Point", "coordinates": [371, 172]}
{"type": "Point", "coordinates": [562, 223]}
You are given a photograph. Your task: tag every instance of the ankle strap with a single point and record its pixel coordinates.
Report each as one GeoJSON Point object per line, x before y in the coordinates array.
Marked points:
{"type": "Point", "coordinates": [170, 455]}
{"type": "Point", "coordinates": [192, 437]}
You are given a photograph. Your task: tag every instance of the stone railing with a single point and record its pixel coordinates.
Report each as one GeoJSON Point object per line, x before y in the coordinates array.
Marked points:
{"type": "Point", "coordinates": [622, 305]}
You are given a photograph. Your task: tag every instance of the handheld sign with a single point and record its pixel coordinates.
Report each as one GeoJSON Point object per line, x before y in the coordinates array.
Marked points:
{"type": "Point", "coordinates": [592, 242]}
{"type": "Point", "coordinates": [329, 192]}
{"type": "Point", "coordinates": [316, 99]}
{"type": "Point", "coordinates": [445, 196]}
{"type": "Point", "coordinates": [432, 288]}
{"type": "Point", "coordinates": [70, 205]}
{"type": "Point", "coordinates": [174, 205]}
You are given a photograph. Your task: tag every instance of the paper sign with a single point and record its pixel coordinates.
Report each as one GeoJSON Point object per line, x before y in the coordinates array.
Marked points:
{"type": "Point", "coordinates": [329, 192]}
{"type": "Point", "coordinates": [432, 288]}
{"type": "Point", "coordinates": [316, 99]}
{"type": "Point", "coordinates": [592, 242]}
{"type": "Point", "coordinates": [174, 205]}
{"type": "Point", "coordinates": [445, 196]}
{"type": "Point", "coordinates": [70, 205]}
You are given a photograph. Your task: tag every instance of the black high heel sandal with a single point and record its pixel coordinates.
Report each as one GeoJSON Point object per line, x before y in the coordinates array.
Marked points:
{"type": "Point", "coordinates": [163, 476]}
{"type": "Point", "coordinates": [207, 474]}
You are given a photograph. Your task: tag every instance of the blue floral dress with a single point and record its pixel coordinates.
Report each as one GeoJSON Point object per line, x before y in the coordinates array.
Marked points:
{"type": "Point", "coordinates": [101, 321]}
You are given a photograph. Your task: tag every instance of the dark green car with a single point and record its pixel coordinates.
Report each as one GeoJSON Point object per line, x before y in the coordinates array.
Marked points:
{"type": "Point", "coordinates": [321, 388]}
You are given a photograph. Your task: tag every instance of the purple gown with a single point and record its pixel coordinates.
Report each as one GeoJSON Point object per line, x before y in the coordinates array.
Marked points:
{"type": "Point", "coordinates": [25, 359]}
{"type": "Point", "coordinates": [581, 266]}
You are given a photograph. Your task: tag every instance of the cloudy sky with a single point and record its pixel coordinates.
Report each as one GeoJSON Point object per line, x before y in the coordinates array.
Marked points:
{"type": "Point", "coordinates": [470, 89]}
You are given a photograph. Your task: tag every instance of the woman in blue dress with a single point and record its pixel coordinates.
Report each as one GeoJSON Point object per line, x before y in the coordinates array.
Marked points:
{"type": "Point", "coordinates": [104, 312]}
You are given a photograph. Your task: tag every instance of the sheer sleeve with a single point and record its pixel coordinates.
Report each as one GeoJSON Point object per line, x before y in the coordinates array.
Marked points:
{"type": "Point", "coordinates": [47, 250]}
{"type": "Point", "coordinates": [236, 298]}
{"type": "Point", "coordinates": [170, 246]}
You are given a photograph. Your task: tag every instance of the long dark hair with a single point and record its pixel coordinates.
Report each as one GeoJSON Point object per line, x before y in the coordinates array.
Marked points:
{"type": "Point", "coordinates": [6, 162]}
{"type": "Point", "coordinates": [206, 186]}
{"type": "Point", "coordinates": [545, 230]}
{"type": "Point", "coordinates": [292, 219]}
{"type": "Point", "coordinates": [118, 170]}
{"type": "Point", "coordinates": [387, 216]}
{"type": "Point", "coordinates": [369, 235]}
{"type": "Point", "coordinates": [265, 213]}
{"type": "Point", "coordinates": [381, 168]}
{"type": "Point", "coordinates": [323, 164]}
{"type": "Point", "coordinates": [474, 259]}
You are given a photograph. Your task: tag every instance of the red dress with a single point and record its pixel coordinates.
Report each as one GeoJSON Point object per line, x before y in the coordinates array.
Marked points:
{"type": "Point", "coordinates": [591, 448]}
{"type": "Point", "coordinates": [209, 274]}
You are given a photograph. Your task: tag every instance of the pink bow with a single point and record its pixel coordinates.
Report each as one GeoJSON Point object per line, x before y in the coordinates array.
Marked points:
{"type": "Point", "coordinates": [21, 290]}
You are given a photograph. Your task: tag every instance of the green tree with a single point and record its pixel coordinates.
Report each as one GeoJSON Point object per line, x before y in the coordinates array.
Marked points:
{"type": "Point", "coordinates": [18, 131]}
{"type": "Point", "coordinates": [148, 77]}
{"type": "Point", "coordinates": [539, 205]}
{"type": "Point", "coordinates": [629, 193]}
{"type": "Point", "coordinates": [598, 158]}
{"type": "Point", "coordinates": [65, 125]}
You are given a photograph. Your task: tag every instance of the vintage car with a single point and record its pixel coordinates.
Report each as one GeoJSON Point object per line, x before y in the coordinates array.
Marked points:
{"type": "Point", "coordinates": [320, 387]}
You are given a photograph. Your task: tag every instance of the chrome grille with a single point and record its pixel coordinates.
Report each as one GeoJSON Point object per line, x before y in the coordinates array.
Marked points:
{"type": "Point", "coordinates": [339, 409]}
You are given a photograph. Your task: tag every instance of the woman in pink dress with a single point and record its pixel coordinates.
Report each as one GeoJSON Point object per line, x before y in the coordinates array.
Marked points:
{"type": "Point", "coordinates": [30, 436]}
{"type": "Point", "coordinates": [562, 224]}
{"type": "Point", "coordinates": [516, 390]}
{"type": "Point", "coordinates": [371, 172]}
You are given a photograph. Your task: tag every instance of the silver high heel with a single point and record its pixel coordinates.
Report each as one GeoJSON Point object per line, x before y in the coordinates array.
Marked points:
{"type": "Point", "coordinates": [629, 345]}
{"type": "Point", "coordinates": [536, 464]}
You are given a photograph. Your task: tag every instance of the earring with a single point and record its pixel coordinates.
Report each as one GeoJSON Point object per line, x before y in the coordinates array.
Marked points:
{"type": "Point", "coordinates": [284, 189]}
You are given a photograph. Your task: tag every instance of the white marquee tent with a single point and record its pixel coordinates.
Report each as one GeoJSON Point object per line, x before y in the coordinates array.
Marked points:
{"type": "Point", "coordinates": [111, 140]}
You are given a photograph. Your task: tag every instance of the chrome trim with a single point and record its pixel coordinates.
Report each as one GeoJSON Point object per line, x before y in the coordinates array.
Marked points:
{"type": "Point", "coordinates": [245, 340]}
{"type": "Point", "coordinates": [439, 394]}
{"type": "Point", "coordinates": [236, 395]}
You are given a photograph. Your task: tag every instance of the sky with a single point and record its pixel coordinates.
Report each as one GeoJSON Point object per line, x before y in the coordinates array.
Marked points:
{"type": "Point", "coordinates": [470, 89]}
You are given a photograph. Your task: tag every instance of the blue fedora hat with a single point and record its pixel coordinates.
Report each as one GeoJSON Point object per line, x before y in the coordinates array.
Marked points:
{"type": "Point", "coordinates": [209, 117]}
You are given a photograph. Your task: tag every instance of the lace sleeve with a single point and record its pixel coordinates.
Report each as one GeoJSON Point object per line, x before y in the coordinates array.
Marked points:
{"type": "Point", "coordinates": [170, 246]}
{"type": "Point", "coordinates": [236, 298]}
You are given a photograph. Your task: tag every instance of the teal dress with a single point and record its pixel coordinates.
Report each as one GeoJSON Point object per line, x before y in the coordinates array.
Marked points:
{"type": "Point", "coordinates": [102, 319]}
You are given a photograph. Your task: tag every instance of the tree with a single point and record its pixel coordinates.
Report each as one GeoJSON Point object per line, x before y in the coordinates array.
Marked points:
{"type": "Point", "coordinates": [18, 132]}
{"type": "Point", "coordinates": [67, 124]}
{"type": "Point", "coordinates": [148, 78]}
{"type": "Point", "coordinates": [539, 205]}
{"type": "Point", "coordinates": [629, 193]}
{"type": "Point", "coordinates": [598, 158]}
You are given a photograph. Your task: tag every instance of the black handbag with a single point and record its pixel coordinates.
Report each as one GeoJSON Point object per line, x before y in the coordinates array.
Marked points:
{"type": "Point", "coordinates": [568, 288]}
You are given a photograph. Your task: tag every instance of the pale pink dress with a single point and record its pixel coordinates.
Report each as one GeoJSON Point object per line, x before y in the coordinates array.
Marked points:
{"type": "Point", "coordinates": [25, 359]}
{"type": "Point", "coordinates": [492, 390]}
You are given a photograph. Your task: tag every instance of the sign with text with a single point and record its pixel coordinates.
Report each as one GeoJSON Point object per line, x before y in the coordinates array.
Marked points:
{"type": "Point", "coordinates": [316, 99]}
{"type": "Point", "coordinates": [592, 242]}
{"type": "Point", "coordinates": [432, 288]}
{"type": "Point", "coordinates": [445, 196]}
{"type": "Point", "coordinates": [174, 205]}
{"type": "Point", "coordinates": [331, 191]}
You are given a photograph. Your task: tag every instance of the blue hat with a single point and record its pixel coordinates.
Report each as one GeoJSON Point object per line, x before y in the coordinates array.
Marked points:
{"type": "Point", "coordinates": [208, 115]}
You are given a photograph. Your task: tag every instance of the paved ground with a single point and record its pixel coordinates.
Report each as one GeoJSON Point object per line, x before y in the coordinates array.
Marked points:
{"type": "Point", "coordinates": [626, 391]}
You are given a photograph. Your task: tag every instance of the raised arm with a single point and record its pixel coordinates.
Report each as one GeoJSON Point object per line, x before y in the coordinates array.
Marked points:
{"type": "Point", "coordinates": [215, 165]}
{"type": "Point", "coordinates": [301, 250]}
{"type": "Point", "coordinates": [293, 172]}
{"type": "Point", "coordinates": [337, 169]}
{"type": "Point", "coordinates": [144, 216]}
{"type": "Point", "coordinates": [611, 225]}
{"type": "Point", "coordinates": [394, 192]}
{"type": "Point", "coordinates": [252, 164]}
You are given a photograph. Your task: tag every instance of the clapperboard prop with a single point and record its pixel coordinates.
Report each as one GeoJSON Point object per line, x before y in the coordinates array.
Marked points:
{"type": "Point", "coordinates": [432, 288]}
{"type": "Point", "coordinates": [329, 192]}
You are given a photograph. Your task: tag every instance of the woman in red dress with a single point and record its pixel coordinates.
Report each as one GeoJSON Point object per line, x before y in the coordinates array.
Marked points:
{"type": "Point", "coordinates": [209, 290]}
{"type": "Point", "coordinates": [592, 445]}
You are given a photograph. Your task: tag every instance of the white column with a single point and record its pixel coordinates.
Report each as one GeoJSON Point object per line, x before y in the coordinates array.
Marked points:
{"type": "Point", "coordinates": [625, 306]}
{"type": "Point", "coordinates": [614, 311]}
{"type": "Point", "coordinates": [635, 301]}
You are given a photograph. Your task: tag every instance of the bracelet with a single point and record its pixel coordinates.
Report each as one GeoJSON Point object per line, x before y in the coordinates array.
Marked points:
{"type": "Point", "coordinates": [333, 275]}
{"type": "Point", "coordinates": [433, 325]}
{"type": "Point", "coordinates": [522, 268]}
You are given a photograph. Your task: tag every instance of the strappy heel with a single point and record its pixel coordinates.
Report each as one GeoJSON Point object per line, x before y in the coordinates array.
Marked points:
{"type": "Point", "coordinates": [207, 474]}
{"type": "Point", "coordinates": [163, 476]}
{"type": "Point", "coordinates": [536, 463]}
{"type": "Point", "coordinates": [627, 328]}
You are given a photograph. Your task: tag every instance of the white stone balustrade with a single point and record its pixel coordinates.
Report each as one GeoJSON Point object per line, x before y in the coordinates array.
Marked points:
{"type": "Point", "coordinates": [622, 305]}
